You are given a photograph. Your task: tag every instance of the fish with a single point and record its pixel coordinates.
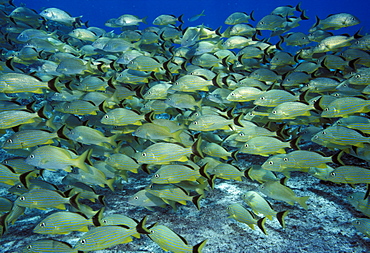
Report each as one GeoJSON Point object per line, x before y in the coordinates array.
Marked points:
{"type": "Point", "coordinates": [18, 82]}
{"type": "Point", "coordinates": [63, 223]}
{"type": "Point", "coordinates": [273, 98]}
{"type": "Point", "coordinates": [8, 175]}
{"type": "Point", "coordinates": [77, 107]}
{"type": "Point", "coordinates": [359, 201]}
{"type": "Point", "coordinates": [244, 94]}
{"type": "Point", "coordinates": [170, 194]}
{"type": "Point", "coordinates": [15, 118]}
{"type": "Point", "coordinates": [278, 191]}
{"type": "Point", "coordinates": [29, 138]}
{"type": "Point", "coordinates": [343, 107]}
{"type": "Point", "coordinates": [261, 206]}
{"type": "Point", "coordinates": [87, 135]}
{"type": "Point", "coordinates": [355, 122]}
{"type": "Point", "coordinates": [54, 158]}
{"type": "Point", "coordinates": [196, 17]}
{"type": "Point", "coordinates": [227, 171]}
{"type": "Point", "coordinates": [145, 63]}
{"type": "Point", "coordinates": [362, 225]}
{"type": "Point", "coordinates": [239, 17]}
{"type": "Point", "coordinates": [166, 19]}
{"type": "Point", "coordinates": [48, 245]}
{"type": "Point", "coordinates": [183, 101]}
{"type": "Point", "coordinates": [164, 153]}
{"type": "Point", "coordinates": [60, 16]}
{"type": "Point", "coordinates": [286, 10]}
{"type": "Point", "coordinates": [144, 199]}
{"type": "Point", "coordinates": [191, 83]}
{"type": "Point", "coordinates": [104, 237]}
{"type": "Point", "coordinates": [265, 146]}
{"type": "Point", "coordinates": [290, 110]}
{"type": "Point", "coordinates": [170, 241]}
{"type": "Point", "coordinates": [272, 22]}
{"type": "Point", "coordinates": [239, 213]}
{"type": "Point", "coordinates": [342, 136]}
{"type": "Point", "coordinates": [129, 20]}
{"type": "Point", "coordinates": [122, 117]}
{"type": "Point", "coordinates": [176, 173]}
{"type": "Point", "coordinates": [297, 159]}
{"type": "Point", "coordinates": [43, 199]}
{"type": "Point", "coordinates": [335, 22]}
{"type": "Point", "coordinates": [259, 174]}
{"type": "Point", "coordinates": [349, 175]}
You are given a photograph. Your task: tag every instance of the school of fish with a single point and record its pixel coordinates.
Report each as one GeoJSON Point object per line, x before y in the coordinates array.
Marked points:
{"type": "Point", "coordinates": [181, 103]}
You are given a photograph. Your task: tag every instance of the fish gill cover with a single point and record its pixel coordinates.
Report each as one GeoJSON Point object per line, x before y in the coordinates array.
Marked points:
{"type": "Point", "coordinates": [131, 138]}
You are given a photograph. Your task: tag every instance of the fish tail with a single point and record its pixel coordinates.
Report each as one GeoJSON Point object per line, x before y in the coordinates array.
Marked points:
{"type": "Point", "coordinates": [144, 20]}
{"type": "Point", "coordinates": [141, 226]}
{"type": "Point", "coordinates": [303, 15]}
{"type": "Point", "coordinates": [302, 201]}
{"type": "Point", "coordinates": [97, 218]}
{"type": "Point", "coordinates": [196, 201]}
{"type": "Point", "coordinates": [337, 158]}
{"type": "Point", "coordinates": [261, 224]}
{"type": "Point", "coordinates": [196, 148]}
{"type": "Point", "coordinates": [294, 143]}
{"type": "Point", "coordinates": [251, 15]}
{"type": "Point", "coordinates": [234, 154]}
{"type": "Point", "coordinates": [80, 161]}
{"type": "Point", "coordinates": [199, 247]}
{"type": "Point", "coordinates": [176, 135]}
{"type": "Point", "coordinates": [180, 18]}
{"type": "Point", "coordinates": [298, 7]}
{"type": "Point", "coordinates": [281, 216]}
{"type": "Point", "coordinates": [74, 201]}
{"type": "Point", "coordinates": [110, 183]}
{"type": "Point", "coordinates": [112, 140]}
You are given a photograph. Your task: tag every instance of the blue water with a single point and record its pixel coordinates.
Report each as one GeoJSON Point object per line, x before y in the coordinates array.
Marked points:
{"type": "Point", "coordinates": [97, 12]}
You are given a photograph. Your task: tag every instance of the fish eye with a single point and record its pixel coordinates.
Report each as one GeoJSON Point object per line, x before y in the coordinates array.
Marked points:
{"type": "Point", "coordinates": [143, 154]}
{"type": "Point", "coordinates": [195, 122]}
{"type": "Point", "coordinates": [241, 134]}
{"type": "Point", "coordinates": [19, 186]}
{"type": "Point", "coordinates": [29, 247]}
{"type": "Point", "coordinates": [32, 156]}
{"type": "Point", "coordinates": [246, 145]}
{"type": "Point", "coordinates": [332, 174]}
{"type": "Point", "coordinates": [273, 112]}
{"type": "Point", "coordinates": [232, 94]}
{"type": "Point", "coordinates": [326, 109]}
{"type": "Point", "coordinates": [83, 241]}
{"type": "Point", "coordinates": [42, 224]}
{"type": "Point", "coordinates": [323, 132]}
{"type": "Point", "coordinates": [149, 92]}
{"type": "Point", "coordinates": [10, 141]}
{"type": "Point", "coordinates": [176, 83]}
{"type": "Point", "coordinates": [286, 159]}
{"type": "Point", "coordinates": [250, 114]}
{"type": "Point", "coordinates": [358, 76]}
{"type": "Point", "coordinates": [156, 175]}
{"type": "Point", "coordinates": [136, 197]}
{"type": "Point", "coordinates": [262, 22]}
{"type": "Point", "coordinates": [105, 221]}
{"type": "Point", "coordinates": [22, 198]}
{"type": "Point", "coordinates": [271, 162]}
{"type": "Point", "coordinates": [263, 98]}
{"type": "Point", "coordinates": [106, 117]}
